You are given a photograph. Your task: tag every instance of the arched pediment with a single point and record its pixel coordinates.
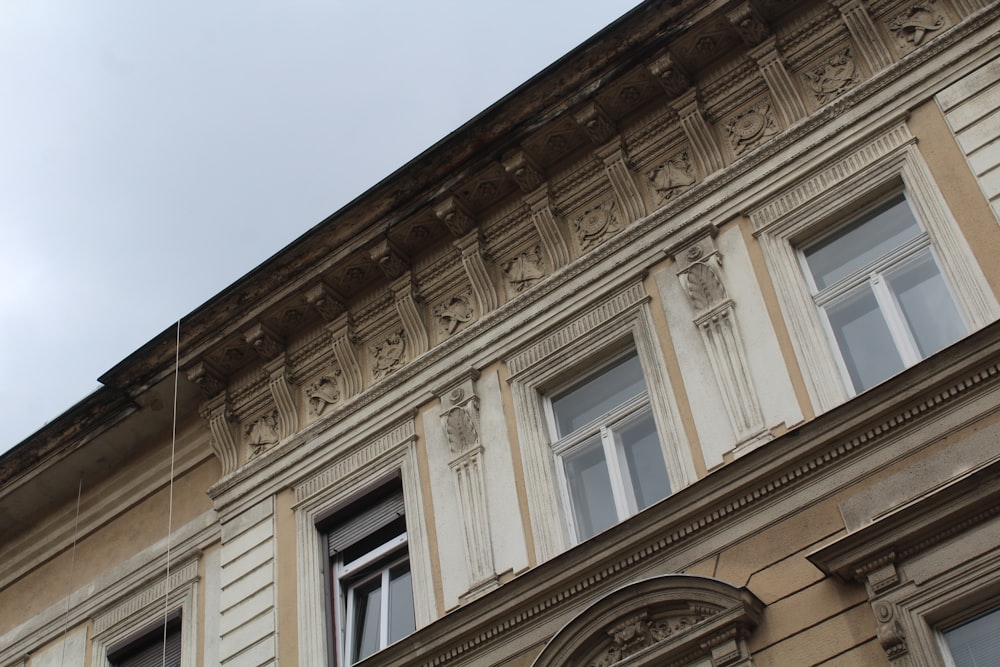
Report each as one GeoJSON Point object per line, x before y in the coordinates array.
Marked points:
{"type": "Point", "coordinates": [674, 619]}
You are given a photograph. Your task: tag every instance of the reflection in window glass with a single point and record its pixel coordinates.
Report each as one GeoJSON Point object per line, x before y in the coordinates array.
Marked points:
{"type": "Point", "coordinates": [640, 448]}
{"type": "Point", "coordinates": [590, 489]}
{"type": "Point", "coordinates": [928, 307]}
{"type": "Point", "coordinates": [976, 643]}
{"type": "Point", "coordinates": [598, 394]}
{"type": "Point", "coordinates": [864, 339]}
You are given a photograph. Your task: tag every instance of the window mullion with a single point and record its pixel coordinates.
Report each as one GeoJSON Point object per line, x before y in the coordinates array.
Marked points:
{"type": "Point", "coordinates": [894, 319]}
{"type": "Point", "coordinates": [618, 490]}
{"type": "Point", "coordinates": [383, 618]}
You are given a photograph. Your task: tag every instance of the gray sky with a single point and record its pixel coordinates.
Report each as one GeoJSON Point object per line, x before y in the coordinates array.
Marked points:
{"type": "Point", "coordinates": [153, 152]}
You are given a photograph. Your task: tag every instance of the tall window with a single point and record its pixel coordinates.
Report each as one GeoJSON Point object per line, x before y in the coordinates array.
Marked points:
{"type": "Point", "coordinates": [370, 569]}
{"type": "Point", "coordinates": [881, 294]}
{"type": "Point", "coordinates": [976, 642]}
{"type": "Point", "coordinates": [160, 647]}
{"type": "Point", "coordinates": [612, 463]}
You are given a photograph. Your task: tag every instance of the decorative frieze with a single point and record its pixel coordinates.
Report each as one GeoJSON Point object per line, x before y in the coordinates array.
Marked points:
{"type": "Point", "coordinates": [916, 24]}
{"type": "Point", "coordinates": [544, 216]}
{"type": "Point", "coordinates": [597, 223]}
{"type": "Point", "coordinates": [454, 313]}
{"type": "Point", "coordinates": [871, 49]}
{"type": "Point", "coordinates": [523, 170]}
{"type": "Point", "coordinates": [612, 155]}
{"type": "Point", "coordinates": [749, 24]}
{"type": "Point", "coordinates": [470, 247]}
{"type": "Point", "coordinates": [389, 259]}
{"type": "Point", "coordinates": [596, 123]}
{"type": "Point", "coordinates": [788, 99]}
{"type": "Point", "coordinates": [409, 314]}
{"type": "Point", "coordinates": [210, 381]}
{"type": "Point", "coordinates": [326, 301]}
{"type": "Point", "coordinates": [671, 177]}
{"type": "Point", "coordinates": [832, 75]}
{"type": "Point", "coordinates": [706, 151]}
{"type": "Point", "coordinates": [455, 216]}
{"type": "Point", "coordinates": [262, 433]}
{"type": "Point", "coordinates": [222, 439]}
{"type": "Point", "coordinates": [325, 392]}
{"type": "Point", "coordinates": [388, 354]}
{"type": "Point", "coordinates": [524, 269]}
{"type": "Point", "coordinates": [347, 358]}
{"type": "Point", "coordinates": [751, 127]}
{"type": "Point", "coordinates": [281, 391]}
{"type": "Point", "coordinates": [264, 342]}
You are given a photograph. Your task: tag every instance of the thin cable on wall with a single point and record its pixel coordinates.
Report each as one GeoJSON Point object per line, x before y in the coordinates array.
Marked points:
{"type": "Point", "coordinates": [72, 567]}
{"type": "Point", "coordinates": [170, 502]}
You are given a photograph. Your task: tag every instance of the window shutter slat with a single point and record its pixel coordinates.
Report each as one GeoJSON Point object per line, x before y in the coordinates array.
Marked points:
{"type": "Point", "coordinates": [367, 522]}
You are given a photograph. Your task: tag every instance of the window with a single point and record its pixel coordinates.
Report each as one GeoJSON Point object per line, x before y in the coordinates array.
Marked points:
{"type": "Point", "coordinates": [160, 647]}
{"type": "Point", "coordinates": [370, 571]}
{"type": "Point", "coordinates": [612, 463]}
{"type": "Point", "coordinates": [881, 294]}
{"type": "Point", "coordinates": [976, 642]}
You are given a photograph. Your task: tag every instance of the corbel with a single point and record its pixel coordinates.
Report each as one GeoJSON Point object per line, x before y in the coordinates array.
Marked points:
{"type": "Point", "coordinates": [786, 94]}
{"type": "Point", "coordinates": [220, 423]}
{"type": "Point", "coordinates": [523, 170]}
{"type": "Point", "coordinates": [867, 39]}
{"type": "Point", "coordinates": [473, 259]}
{"type": "Point", "coordinates": [595, 122]}
{"type": "Point", "coordinates": [616, 168]}
{"type": "Point", "coordinates": [455, 216]}
{"type": "Point", "coordinates": [543, 215]}
{"type": "Point", "coordinates": [747, 21]}
{"type": "Point", "coordinates": [326, 301]}
{"type": "Point", "coordinates": [703, 142]}
{"type": "Point", "coordinates": [389, 259]}
{"type": "Point", "coordinates": [347, 358]}
{"type": "Point", "coordinates": [265, 342]}
{"type": "Point", "coordinates": [281, 392]}
{"type": "Point", "coordinates": [210, 381]}
{"type": "Point", "coordinates": [671, 76]}
{"type": "Point", "coordinates": [406, 305]}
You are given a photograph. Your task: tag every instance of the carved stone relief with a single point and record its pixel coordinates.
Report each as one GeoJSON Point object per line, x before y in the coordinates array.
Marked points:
{"type": "Point", "coordinates": [324, 392]}
{"type": "Point", "coordinates": [388, 355]}
{"type": "Point", "coordinates": [524, 270]}
{"type": "Point", "coordinates": [639, 632]}
{"type": "Point", "coordinates": [262, 433]}
{"type": "Point", "coordinates": [453, 313]}
{"type": "Point", "coordinates": [460, 421]}
{"type": "Point", "coordinates": [890, 631]}
{"type": "Point", "coordinates": [834, 75]}
{"type": "Point", "coordinates": [751, 127]}
{"type": "Point", "coordinates": [596, 224]}
{"type": "Point", "coordinates": [671, 178]}
{"type": "Point", "coordinates": [917, 24]}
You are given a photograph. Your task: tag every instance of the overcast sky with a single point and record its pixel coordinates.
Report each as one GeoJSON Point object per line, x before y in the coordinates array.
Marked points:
{"type": "Point", "coordinates": [153, 152]}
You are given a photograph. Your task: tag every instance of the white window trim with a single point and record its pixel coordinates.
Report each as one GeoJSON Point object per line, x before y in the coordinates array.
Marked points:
{"type": "Point", "coordinates": [347, 609]}
{"type": "Point", "coordinates": [887, 162]}
{"type": "Point", "coordinates": [355, 469]}
{"type": "Point", "coordinates": [615, 323]}
{"type": "Point", "coordinates": [146, 609]}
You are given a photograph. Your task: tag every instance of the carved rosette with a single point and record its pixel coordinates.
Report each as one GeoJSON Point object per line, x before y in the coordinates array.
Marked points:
{"type": "Point", "coordinates": [524, 270]}
{"type": "Point", "coordinates": [671, 177]}
{"type": "Point", "coordinates": [596, 224]}
{"type": "Point", "coordinates": [388, 355]}
{"type": "Point", "coordinates": [833, 76]}
{"type": "Point", "coordinates": [751, 127]}
{"type": "Point", "coordinates": [325, 392]}
{"type": "Point", "coordinates": [454, 313]}
{"type": "Point", "coordinates": [917, 24]}
{"type": "Point", "coordinates": [263, 433]}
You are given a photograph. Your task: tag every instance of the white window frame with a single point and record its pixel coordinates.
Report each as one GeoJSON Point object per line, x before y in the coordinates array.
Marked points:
{"type": "Point", "coordinates": [874, 274]}
{"type": "Point", "coordinates": [348, 471]}
{"type": "Point", "coordinates": [805, 207]}
{"type": "Point", "coordinates": [613, 323]}
{"type": "Point", "coordinates": [604, 427]}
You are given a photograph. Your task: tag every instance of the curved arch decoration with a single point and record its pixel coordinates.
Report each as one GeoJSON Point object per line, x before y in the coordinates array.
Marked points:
{"type": "Point", "coordinates": [673, 619]}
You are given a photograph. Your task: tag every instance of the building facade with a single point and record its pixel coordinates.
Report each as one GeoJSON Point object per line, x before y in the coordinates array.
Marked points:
{"type": "Point", "coordinates": [684, 353]}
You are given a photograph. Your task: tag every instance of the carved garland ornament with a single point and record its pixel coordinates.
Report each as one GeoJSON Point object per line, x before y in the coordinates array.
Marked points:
{"type": "Point", "coordinates": [388, 355]}
{"type": "Point", "coordinates": [596, 224]}
{"type": "Point", "coordinates": [913, 26]}
{"type": "Point", "coordinates": [832, 77]}
{"type": "Point", "coordinates": [525, 269]}
{"type": "Point", "coordinates": [752, 127]}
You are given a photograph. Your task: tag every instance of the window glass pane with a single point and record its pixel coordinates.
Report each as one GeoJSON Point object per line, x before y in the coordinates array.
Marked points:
{"type": "Point", "coordinates": [976, 643]}
{"type": "Point", "coordinates": [367, 608]}
{"type": "Point", "coordinates": [924, 299]}
{"type": "Point", "coordinates": [640, 449]}
{"type": "Point", "coordinates": [590, 489]}
{"type": "Point", "coordinates": [864, 340]}
{"type": "Point", "coordinates": [401, 621]}
{"type": "Point", "coordinates": [861, 243]}
{"type": "Point", "coordinates": [598, 394]}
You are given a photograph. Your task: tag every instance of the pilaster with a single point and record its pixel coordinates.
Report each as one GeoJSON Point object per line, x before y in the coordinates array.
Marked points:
{"type": "Point", "coordinates": [706, 151]}
{"type": "Point", "coordinates": [871, 48]}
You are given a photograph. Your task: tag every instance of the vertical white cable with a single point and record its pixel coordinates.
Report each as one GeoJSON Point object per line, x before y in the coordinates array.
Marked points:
{"type": "Point", "coordinates": [170, 502]}
{"type": "Point", "coordinates": [72, 566]}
